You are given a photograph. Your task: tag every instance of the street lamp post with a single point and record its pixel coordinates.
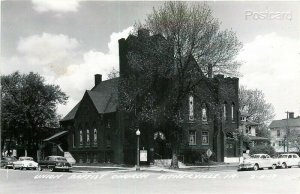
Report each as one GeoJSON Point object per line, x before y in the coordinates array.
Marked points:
{"type": "Point", "coordinates": [138, 133]}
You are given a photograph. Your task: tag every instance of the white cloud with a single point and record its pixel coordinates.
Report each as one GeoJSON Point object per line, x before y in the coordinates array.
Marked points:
{"type": "Point", "coordinates": [61, 61]}
{"type": "Point", "coordinates": [55, 5]}
{"type": "Point", "coordinates": [272, 64]}
{"type": "Point", "coordinates": [80, 77]}
{"type": "Point", "coordinates": [48, 52]}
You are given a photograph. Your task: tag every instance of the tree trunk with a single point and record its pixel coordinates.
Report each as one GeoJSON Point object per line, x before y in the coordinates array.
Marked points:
{"type": "Point", "coordinates": [174, 161]}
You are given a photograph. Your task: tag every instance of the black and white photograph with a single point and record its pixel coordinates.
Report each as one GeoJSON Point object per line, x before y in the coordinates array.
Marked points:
{"type": "Point", "coordinates": [150, 97]}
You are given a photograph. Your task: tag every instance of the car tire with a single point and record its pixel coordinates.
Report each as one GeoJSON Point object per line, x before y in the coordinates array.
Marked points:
{"type": "Point", "coordinates": [284, 165]}
{"type": "Point", "coordinates": [40, 168]}
{"type": "Point", "coordinates": [274, 166]}
{"type": "Point", "coordinates": [14, 167]}
{"type": "Point", "coordinates": [255, 167]}
{"type": "Point", "coordinates": [51, 169]}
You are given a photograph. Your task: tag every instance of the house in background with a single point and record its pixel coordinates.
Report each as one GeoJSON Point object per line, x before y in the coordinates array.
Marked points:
{"type": "Point", "coordinates": [249, 131]}
{"type": "Point", "coordinates": [279, 133]}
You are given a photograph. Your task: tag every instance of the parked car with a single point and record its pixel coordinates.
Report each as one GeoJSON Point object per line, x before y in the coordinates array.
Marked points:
{"type": "Point", "coordinates": [258, 161]}
{"type": "Point", "coordinates": [7, 161]}
{"type": "Point", "coordinates": [54, 163]}
{"type": "Point", "coordinates": [288, 160]}
{"type": "Point", "coordinates": [25, 163]}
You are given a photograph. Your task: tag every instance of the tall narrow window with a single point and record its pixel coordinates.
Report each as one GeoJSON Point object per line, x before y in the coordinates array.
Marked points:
{"type": "Point", "coordinates": [205, 138]}
{"type": "Point", "coordinates": [192, 137]}
{"type": "Point", "coordinates": [232, 112]}
{"type": "Point", "coordinates": [87, 136]}
{"type": "Point", "coordinates": [108, 124]}
{"type": "Point", "coordinates": [278, 132]}
{"type": "Point", "coordinates": [95, 136]}
{"type": "Point", "coordinates": [73, 139]}
{"type": "Point", "coordinates": [204, 113]}
{"type": "Point", "coordinates": [191, 108]}
{"type": "Point", "coordinates": [80, 137]}
{"type": "Point", "coordinates": [108, 142]}
{"type": "Point", "coordinates": [224, 111]}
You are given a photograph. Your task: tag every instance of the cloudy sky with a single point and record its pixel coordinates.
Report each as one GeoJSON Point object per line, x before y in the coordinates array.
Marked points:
{"type": "Point", "coordinates": [69, 41]}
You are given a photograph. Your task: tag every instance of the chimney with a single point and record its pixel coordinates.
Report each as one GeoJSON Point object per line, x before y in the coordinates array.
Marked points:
{"type": "Point", "coordinates": [291, 115]}
{"type": "Point", "coordinates": [209, 70]}
{"type": "Point", "coordinates": [98, 79]}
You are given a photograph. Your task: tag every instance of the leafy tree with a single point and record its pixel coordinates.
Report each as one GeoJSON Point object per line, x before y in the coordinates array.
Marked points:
{"type": "Point", "coordinates": [263, 149]}
{"type": "Point", "coordinates": [168, 67]}
{"type": "Point", "coordinates": [294, 138]}
{"type": "Point", "coordinates": [193, 31]}
{"type": "Point", "coordinates": [28, 106]}
{"type": "Point", "coordinates": [259, 110]}
{"type": "Point", "coordinates": [113, 74]}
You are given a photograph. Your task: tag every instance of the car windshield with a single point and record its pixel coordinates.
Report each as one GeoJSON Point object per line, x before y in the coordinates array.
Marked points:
{"type": "Point", "coordinates": [60, 159]}
{"type": "Point", "coordinates": [10, 158]}
{"type": "Point", "coordinates": [25, 158]}
{"type": "Point", "coordinates": [282, 156]}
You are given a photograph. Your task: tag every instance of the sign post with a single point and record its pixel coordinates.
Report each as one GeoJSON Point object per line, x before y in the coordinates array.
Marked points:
{"type": "Point", "coordinates": [208, 153]}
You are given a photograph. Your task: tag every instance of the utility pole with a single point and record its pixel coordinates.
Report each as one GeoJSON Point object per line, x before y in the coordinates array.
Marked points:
{"type": "Point", "coordinates": [287, 131]}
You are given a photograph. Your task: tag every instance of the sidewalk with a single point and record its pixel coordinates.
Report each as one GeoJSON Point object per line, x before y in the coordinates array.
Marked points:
{"type": "Point", "coordinates": [219, 167]}
{"type": "Point", "coordinates": [151, 168]}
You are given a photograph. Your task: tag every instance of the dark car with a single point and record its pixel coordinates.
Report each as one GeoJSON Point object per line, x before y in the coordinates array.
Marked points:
{"type": "Point", "coordinates": [7, 161]}
{"type": "Point", "coordinates": [55, 163]}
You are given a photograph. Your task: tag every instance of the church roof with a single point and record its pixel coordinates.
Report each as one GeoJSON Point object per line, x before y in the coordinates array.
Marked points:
{"type": "Point", "coordinates": [104, 103]}
{"type": "Point", "coordinates": [71, 114]}
{"type": "Point", "coordinates": [104, 97]}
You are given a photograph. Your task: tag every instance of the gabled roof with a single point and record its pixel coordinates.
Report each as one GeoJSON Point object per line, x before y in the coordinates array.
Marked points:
{"type": "Point", "coordinates": [249, 123]}
{"type": "Point", "coordinates": [71, 114]}
{"type": "Point", "coordinates": [295, 122]}
{"type": "Point", "coordinates": [104, 103]}
{"type": "Point", "coordinates": [104, 97]}
{"type": "Point", "coordinates": [244, 113]}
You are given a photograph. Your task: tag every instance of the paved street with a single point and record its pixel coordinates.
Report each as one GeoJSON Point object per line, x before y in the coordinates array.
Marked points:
{"type": "Point", "coordinates": [282, 181]}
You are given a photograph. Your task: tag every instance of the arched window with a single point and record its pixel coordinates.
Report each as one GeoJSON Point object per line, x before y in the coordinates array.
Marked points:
{"type": "Point", "coordinates": [224, 111]}
{"type": "Point", "coordinates": [80, 137]}
{"type": "Point", "coordinates": [204, 113]}
{"type": "Point", "coordinates": [232, 111]}
{"type": "Point", "coordinates": [87, 136]}
{"type": "Point", "coordinates": [95, 136]}
{"type": "Point", "coordinates": [191, 108]}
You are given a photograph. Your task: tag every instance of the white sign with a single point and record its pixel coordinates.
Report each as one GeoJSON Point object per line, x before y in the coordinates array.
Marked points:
{"type": "Point", "coordinates": [208, 153]}
{"type": "Point", "coordinates": [143, 155]}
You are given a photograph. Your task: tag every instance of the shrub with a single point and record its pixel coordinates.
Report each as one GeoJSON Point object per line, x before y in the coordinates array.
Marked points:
{"type": "Point", "coordinates": [263, 149]}
{"type": "Point", "coordinates": [197, 156]}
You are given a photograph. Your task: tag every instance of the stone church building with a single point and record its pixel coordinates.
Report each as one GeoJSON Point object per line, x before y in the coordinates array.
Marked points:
{"type": "Point", "coordinates": [98, 131]}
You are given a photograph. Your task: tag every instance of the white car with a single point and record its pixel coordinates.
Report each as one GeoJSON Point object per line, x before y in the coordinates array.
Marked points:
{"type": "Point", "coordinates": [25, 163]}
{"type": "Point", "coordinates": [288, 160]}
{"type": "Point", "coordinates": [258, 161]}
